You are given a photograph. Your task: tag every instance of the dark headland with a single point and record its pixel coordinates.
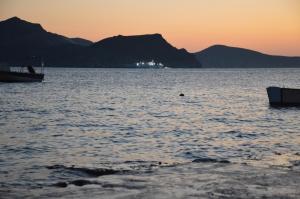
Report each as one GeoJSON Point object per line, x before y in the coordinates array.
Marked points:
{"type": "Point", "coordinates": [21, 40]}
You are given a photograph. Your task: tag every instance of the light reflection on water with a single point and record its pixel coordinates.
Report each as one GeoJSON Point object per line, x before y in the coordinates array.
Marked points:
{"type": "Point", "coordinates": [107, 117]}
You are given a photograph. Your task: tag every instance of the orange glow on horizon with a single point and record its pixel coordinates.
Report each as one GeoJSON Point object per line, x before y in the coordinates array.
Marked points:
{"type": "Point", "coordinates": [269, 26]}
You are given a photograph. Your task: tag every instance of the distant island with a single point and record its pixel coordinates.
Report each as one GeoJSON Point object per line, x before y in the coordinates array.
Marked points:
{"type": "Point", "coordinates": [21, 40]}
{"type": "Point", "coordinates": [220, 56]}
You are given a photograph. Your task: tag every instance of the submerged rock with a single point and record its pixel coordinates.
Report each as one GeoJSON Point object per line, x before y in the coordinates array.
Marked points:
{"type": "Point", "coordinates": [210, 160]}
{"type": "Point", "coordinates": [78, 183]}
{"type": "Point", "coordinates": [81, 183]}
{"type": "Point", "coordinates": [224, 161]}
{"type": "Point", "coordinates": [96, 172]}
{"type": "Point", "coordinates": [277, 153]}
{"type": "Point", "coordinates": [87, 171]}
{"type": "Point", "coordinates": [296, 163]}
{"type": "Point", "coordinates": [55, 167]}
{"type": "Point", "coordinates": [205, 160]}
{"type": "Point", "coordinates": [60, 184]}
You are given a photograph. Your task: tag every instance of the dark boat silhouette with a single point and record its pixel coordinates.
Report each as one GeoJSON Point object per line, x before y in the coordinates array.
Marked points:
{"type": "Point", "coordinates": [283, 96]}
{"type": "Point", "coordinates": [6, 75]}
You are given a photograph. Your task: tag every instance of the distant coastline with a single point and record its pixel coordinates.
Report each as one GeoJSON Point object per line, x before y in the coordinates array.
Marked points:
{"type": "Point", "coordinates": [21, 40]}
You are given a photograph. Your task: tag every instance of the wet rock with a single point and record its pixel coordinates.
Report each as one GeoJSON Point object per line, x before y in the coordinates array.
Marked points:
{"type": "Point", "coordinates": [60, 184]}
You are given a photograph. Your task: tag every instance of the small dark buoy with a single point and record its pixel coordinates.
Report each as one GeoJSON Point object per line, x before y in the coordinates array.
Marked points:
{"type": "Point", "coordinates": [181, 95]}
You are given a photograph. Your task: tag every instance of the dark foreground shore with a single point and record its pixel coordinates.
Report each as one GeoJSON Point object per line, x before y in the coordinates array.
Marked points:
{"type": "Point", "coordinates": [202, 178]}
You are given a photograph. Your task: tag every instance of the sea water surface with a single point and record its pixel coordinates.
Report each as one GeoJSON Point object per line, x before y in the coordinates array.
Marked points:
{"type": "Point", "coordinates": [126, 133]}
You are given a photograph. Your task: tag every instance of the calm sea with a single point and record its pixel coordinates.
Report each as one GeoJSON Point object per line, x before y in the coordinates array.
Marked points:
{"type": "Point", "coordinates": [126, 133]}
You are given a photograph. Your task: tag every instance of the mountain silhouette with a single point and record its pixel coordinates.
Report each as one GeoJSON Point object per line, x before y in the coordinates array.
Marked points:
{"type": "Point", "coordinates": [82, 42]}
{"type": "Point", "coordinates": [20, 40]}
{"type": "Point", "coordinates": [124, 51]}
{"type": "Point", "coordinates": [220, 56]}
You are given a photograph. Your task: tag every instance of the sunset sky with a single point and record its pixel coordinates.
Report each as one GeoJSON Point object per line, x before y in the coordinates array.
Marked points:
{"type": "Point", "coordinates": [270, 26]}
